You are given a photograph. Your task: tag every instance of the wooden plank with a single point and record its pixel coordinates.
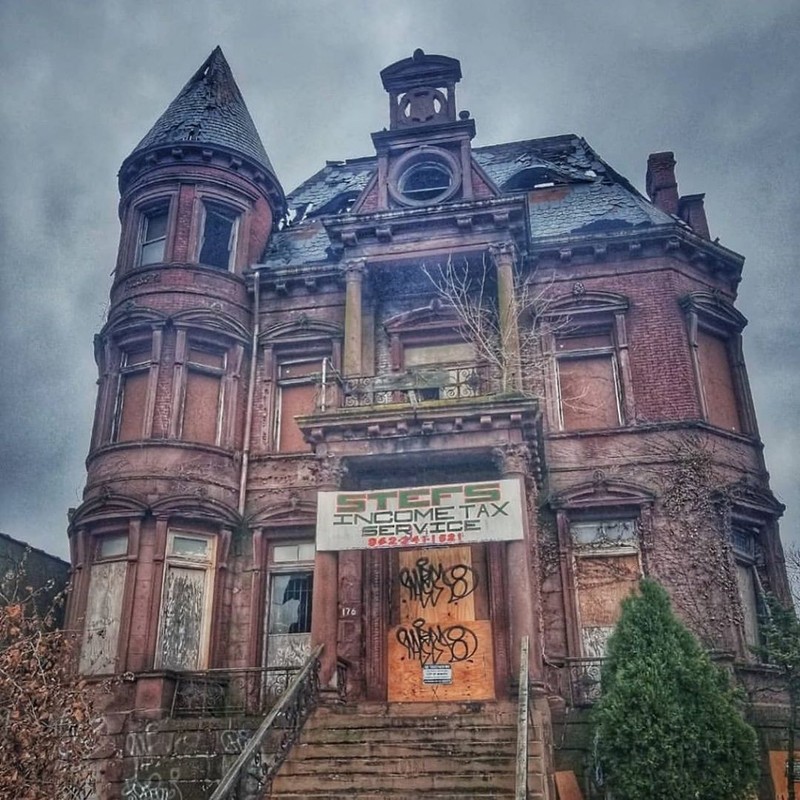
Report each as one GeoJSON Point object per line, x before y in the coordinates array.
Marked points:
{"type": "Point", "coordinates": [603, 583]}
{"type": "Point", "coordinates": [103, 612]}
{"type": "Point", "coordinates": [466, 646]}
{"type": "Point", "coordinates": [437, 584]}
{"type": "Point", "coordinates": [777, 769]}
{"type": "Point", "coordinates": [567, 786]}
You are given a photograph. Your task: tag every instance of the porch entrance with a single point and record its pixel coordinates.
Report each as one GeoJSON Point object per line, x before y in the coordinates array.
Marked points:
{"type": "Point", "coordinates": [440, 644]}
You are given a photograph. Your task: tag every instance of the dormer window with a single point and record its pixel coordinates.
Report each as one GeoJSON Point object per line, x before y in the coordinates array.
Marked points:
{"type": "Point", "coordinates": [153, 236]}
{"type": "Point", "coordinates": [218, 240]}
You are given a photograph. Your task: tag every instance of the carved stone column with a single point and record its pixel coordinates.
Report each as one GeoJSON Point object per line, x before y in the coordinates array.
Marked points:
{"type": "Point", "coordinates": [354, 278]}
{"type": "Point", "coordinates": [325, 599]}
{"type": "Point", "coordinates": [524, 598]}
{"type": "Point", "coordinates": [504, 255]}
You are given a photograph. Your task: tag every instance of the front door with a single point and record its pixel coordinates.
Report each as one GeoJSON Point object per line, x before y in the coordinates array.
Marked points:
{"type": "Point", "coordinates": [440, 638]}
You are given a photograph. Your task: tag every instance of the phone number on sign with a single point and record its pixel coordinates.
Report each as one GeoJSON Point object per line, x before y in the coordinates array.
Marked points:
{"type": "Point", "coordinates": [410, 541]}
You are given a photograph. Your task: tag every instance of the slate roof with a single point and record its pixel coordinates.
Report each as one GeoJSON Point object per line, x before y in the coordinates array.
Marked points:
{"type": "Point", "coordinates": [595, 198]}
{"type": "Point", "coordinates": [209, 109]}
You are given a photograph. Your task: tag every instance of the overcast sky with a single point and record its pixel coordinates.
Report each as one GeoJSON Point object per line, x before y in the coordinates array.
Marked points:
{"type": "Point", "coordinates": [83, 81]}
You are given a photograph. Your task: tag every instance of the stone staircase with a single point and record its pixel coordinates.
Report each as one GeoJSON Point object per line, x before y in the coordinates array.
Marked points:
{"type": "Point", "coordinates": [439, 751]}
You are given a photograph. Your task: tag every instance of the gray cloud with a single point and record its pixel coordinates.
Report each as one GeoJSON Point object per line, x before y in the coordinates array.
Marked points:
{"type": "Point", "coordinates": [715, 82]}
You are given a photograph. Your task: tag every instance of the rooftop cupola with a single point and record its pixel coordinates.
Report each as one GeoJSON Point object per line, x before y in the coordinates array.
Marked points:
{"type": "Point", "coordinates": [422, 90]}
{"type": "Point", "coordinates": [207, 120]}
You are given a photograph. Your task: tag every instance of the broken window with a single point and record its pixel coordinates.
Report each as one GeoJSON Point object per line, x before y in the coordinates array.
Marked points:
{"type": "Point", "coordinates": [743, 545]}
{"type": "Point", "coordinates": [202, 401]}
{"type": "Point", "coordinates": [218, 240]}
{"type": "Point", "coordinates": [104, 605]}
{"type": "Point", "coordinates": [132, 394]}
{"type": "Point", "coordinates": [607, 569]}
{"type": "Point", "coordinates": [290, 590]}
{"type": "Point", "coordinates": [153, 236]}
{"type": "Point", "coordinates": [587, 373]}
{"type": "Point", "coordinates": [186, 600]}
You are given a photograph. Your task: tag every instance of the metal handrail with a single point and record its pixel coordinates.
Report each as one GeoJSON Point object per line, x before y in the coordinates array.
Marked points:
{"type": "Point", "coordinates": [309, 672]}
{"type": "Point", "coordinates": [521, 791]}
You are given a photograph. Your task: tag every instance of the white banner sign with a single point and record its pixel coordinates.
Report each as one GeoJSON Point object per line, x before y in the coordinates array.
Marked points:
{"type": "Point", "coordinates": [423, 516]}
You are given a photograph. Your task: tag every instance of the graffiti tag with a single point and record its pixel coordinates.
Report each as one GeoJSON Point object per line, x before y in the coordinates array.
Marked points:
{"type": "Point", "coordinates": [434, 644]}
{"type": "Point", "coordinates": [426, 582]}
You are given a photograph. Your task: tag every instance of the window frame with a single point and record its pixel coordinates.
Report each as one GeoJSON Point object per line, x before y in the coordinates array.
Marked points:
{"type": "Point", "coordinates": [297, 566]}
{"type": "Point", "coordinates": [222, 207]}
{"type": "Point", "coordinates": [104, 563]}
{"type": "Point", "coordinates": [204, 369]}
{"type": "Point", "coordinates": [281, 382]}
{"type": "Point", "coordinates": [149, 367]}
{"type": "Point", "coordinates": [156, 208]}
{"type": "Point", "coordinates": [208, 565]}
{"type": "Point", "coordinates": [585, 314]}
{"type": "Point", "coordinates": [714, 315]}
{"type": "Point", "coordinates": [298, 339]}
{"type": "Point", "coordinates": [608, 352]}
{"type": "Point", "coordinates": [600, 550]}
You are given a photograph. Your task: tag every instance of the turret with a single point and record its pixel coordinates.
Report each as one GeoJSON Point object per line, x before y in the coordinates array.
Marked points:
{"type": "Point", "coordinates": [198, 200]}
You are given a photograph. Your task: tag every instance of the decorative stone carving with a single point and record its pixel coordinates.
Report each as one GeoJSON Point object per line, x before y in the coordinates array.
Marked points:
{"type": "Point", "coordinates": [512, 459]}
{"type": "Point", "coordinates": [503, 251]}
{"type": "Point", "coordinates": [330, 471]}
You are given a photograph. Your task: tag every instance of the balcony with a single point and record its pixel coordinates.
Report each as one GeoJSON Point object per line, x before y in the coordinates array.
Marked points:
{"type": "Point", "coordinates": [442, 407]}
{"type": "Point", "coordinates": [444, 383]}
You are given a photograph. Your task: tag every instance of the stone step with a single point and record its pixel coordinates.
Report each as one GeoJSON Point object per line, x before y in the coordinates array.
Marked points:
{"type": "Point", "coordinates": [409, 782]}
{"type": "Point", "coordinates": [429, 733]}
{"type": "Point", "coordinates": [377, 749]}
{"type": "Point", "coordinates": [420, 765]}
{"type": "Point", "coordinates": [439, 751]}
{"type": "Point", "coordinates": [480, 794]}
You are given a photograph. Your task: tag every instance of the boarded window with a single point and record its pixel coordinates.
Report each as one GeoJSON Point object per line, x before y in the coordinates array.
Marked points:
{"type": "Point", "coordinates": [202, 404]}
{"type": "Point", "coordinates": [606, 571]}
{"type": "Point", "coordinates": [603, 582]}
{"type": "Point", "coordinates": [451, 353]}
{"type": "Point", "coordinates": [297, 395]}
{"type": "Point", "coordinates": [104, 606]}
{"type": "Point", "coordinates": [718, 385]}
{"type": "Point", "coordinates": [186, 604]}
{"type": "Point", "coordinates": [134, 381]}
{"type": "Point", "coordinates": [219, 236]}
{"type": "Point", "coordinates": [588, 386]}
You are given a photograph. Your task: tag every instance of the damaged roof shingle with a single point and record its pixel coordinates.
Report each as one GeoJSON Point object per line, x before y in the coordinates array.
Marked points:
{"type": "Point", "coordinates": [594, 198]}
{"type": "Point", "coordinates": [209, 109]}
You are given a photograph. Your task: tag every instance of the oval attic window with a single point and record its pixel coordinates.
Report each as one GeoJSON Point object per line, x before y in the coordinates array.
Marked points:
{"type": "Point", "coordinates": [426, 181]}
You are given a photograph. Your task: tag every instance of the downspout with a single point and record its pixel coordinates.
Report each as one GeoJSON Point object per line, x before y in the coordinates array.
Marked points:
{"type": "Point", "coordinates": [251, 392]}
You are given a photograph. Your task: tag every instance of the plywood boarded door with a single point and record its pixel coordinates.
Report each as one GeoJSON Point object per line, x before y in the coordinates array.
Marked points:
{"type": "Point", "coordinates": [441, 628]}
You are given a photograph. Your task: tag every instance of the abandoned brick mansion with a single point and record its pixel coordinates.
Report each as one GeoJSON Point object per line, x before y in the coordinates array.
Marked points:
{"type": "Point", "coordinates": [398, 444]}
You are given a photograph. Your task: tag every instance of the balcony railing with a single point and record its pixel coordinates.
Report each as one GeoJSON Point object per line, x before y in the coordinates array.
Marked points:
{"type": "Point", "coordinates": [582, 678]}
{"type": "Point", "coordinates": [445, 382]}
{"type": "Point", "coordinates": [229, 692]}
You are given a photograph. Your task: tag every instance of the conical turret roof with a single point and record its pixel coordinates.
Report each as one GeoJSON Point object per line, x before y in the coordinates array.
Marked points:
{"type": "Point", "coordinates": [210, 110]}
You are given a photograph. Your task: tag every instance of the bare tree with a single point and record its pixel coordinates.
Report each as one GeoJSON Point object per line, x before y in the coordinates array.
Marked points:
{"type": "Point", "coordinates": [47, 731]}
{"type": "Point", "coordinates": [515, 352]}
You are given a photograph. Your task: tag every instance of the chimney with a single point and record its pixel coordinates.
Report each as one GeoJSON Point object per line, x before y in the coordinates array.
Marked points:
{"type": "Point", "coordinates": [661, 186]}
{"type": "Point", "coordinates": [692, 211]}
